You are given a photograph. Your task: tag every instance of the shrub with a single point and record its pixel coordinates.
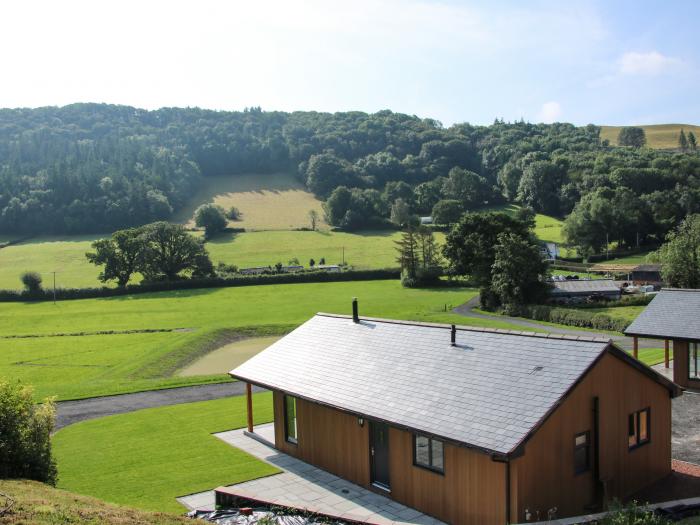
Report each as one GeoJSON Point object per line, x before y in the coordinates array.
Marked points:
{"type": "Point", "coordinates": [31, 281]}
{"type": "Point", "coordinates": [632, 514]}
{"type": "Point", "coordinates": [233, 214]}
{"type": "Point", "coordinates": [210, 217]}
{"type": "Point", "coordinates": [25, 434]}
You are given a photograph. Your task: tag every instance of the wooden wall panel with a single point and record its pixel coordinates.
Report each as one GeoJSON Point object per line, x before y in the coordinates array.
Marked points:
{"type": "Point", "coordinates": [545, 474]}
{"type": "Point", "coordinates": [327, 438]}
{"type": "Point", "coordinates": [471, 491]}
{"type": "Point", "coordinates": [680, 362]}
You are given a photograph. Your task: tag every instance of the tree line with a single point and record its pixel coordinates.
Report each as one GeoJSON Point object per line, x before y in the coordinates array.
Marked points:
{"type": "Point", "coordinates": [94, 168]}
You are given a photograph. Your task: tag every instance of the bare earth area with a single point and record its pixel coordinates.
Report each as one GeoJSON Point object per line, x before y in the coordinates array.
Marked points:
{"type": "Point", "coordinates": [228, 357]}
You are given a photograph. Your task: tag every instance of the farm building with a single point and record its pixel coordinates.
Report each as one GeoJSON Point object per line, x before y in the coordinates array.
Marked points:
{"type": "Point", "coordinates": [674, 314]}
{"type": "Point", "coordinates": [582, 289]}
{"type": "Point", "coordinates": [646, 274]}
{"type": "Point", "coordinates": [468, 425]}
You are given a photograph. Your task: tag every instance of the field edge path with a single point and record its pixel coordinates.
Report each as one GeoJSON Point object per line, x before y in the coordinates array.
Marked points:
{"type": "Point", "coordinates": [69, 412]}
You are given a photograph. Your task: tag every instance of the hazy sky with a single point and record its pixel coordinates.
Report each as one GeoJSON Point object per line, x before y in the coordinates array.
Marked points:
{"type": "Point", "coordinates": [610, 62]}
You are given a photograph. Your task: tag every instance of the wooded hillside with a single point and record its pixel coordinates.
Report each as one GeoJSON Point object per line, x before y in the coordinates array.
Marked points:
{"type": "Point", "coordinates": [94, 168]}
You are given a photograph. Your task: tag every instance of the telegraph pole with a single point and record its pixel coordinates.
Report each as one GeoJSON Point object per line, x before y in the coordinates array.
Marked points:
{"type": "Point", "coordinates": [343, 255]}
{"type": "Point", "coordinates": [54, 287]}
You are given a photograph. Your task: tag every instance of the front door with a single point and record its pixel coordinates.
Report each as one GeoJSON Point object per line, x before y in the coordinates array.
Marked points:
{"type": "Point", "coordinates": [379, 454]}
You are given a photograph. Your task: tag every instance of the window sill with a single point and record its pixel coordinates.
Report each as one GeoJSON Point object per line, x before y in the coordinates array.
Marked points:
{"type": "Point", "coordinates": [639, 445]}
{"type": "Point", "coordinates": [430, 469]}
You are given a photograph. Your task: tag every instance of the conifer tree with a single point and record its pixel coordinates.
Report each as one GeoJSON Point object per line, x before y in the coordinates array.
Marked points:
{"type": "Point", "coordinates": [683, 141]}
{"type": "Point", "coordinates": [692, 141]}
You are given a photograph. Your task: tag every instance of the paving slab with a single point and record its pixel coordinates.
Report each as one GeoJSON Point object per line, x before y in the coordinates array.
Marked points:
{"type": "Point", "coordinates": [307, 487]}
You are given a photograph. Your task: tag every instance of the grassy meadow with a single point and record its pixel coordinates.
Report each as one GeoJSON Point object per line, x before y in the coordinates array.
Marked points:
{"type": "Point", "coordinates": [362, 250]}
{"type": "Point", "coordinates": [64, 255]}
{"type": "Point", "coordinates": [75, 366]}
{"type": "Point", "coordinates": [266, 202]}
{"type": "Point", "coordinates": [171, 453]}
{"type": "Point", "coordinates": [659, 136]}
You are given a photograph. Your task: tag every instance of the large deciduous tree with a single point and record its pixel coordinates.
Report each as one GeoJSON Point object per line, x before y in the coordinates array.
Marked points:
{"type": "Point", "coordinates": [210, 217]}
{"type": "Point", "coordinates": [447, 211]}
{"type": "Point", "coordinates": [470, 247]}
{"type": "Point", "coordinates": [121, 255]}
{"type": "Point", "coordinates": [170, 252]}
{"type": "Point", "coordinates": [680, 255]}
{"type": "Point", "coordinates": [632, 136]}
{"type": "Point", "coordinates": [539, 186]}
{"type": "Point", "coordinates": [519, 273]}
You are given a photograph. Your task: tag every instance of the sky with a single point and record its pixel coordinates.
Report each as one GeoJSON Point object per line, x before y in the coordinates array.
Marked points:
{"type": "Point", "coordinates": [608, 62]}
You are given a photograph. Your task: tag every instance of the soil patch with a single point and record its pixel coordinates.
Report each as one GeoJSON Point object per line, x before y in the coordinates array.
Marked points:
{"type": "Point", "coordinates": [227, 357]}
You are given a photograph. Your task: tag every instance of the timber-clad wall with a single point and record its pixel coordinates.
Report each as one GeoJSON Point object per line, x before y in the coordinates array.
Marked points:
{"type": "Point", "coordinates": [545, 473]}
{"type": "Point", "coordinates": [681, 351]}
{"type": "Point", "coordinates": [471, 492]}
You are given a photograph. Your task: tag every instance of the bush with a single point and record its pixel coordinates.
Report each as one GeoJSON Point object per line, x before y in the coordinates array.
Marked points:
{"type": "Point", "coordinates": [32, 281]}
{"type": "Point", "coordinates": [210, 217]}
{"type": "Point", "coordinates": [25, 435]}
{"type": "Point", "coordinates": [233, 214]}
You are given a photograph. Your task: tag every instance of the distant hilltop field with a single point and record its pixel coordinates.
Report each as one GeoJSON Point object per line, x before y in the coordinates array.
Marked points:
{"type": "Point", "coordinates": [659, 136]}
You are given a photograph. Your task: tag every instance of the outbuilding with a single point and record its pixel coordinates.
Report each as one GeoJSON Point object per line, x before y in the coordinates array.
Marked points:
{"type": "Point", "coordinates": [582, 289]}
{"type": "Point", "coordinates": [674, 315]}
{"type": "Point", "coordinates": [469, 425]}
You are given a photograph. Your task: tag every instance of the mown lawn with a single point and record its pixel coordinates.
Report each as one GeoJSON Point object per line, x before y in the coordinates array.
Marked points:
{"type": "Point", "coordinates": [629, 313]}
{"type": "Point", "coordinates": [74, 366]}
{"type": "Point", "coordinates": [146, 459]}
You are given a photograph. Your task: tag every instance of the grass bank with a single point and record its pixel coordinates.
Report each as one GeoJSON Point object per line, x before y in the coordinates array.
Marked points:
{"type": "Point", "coordinates": [146, 459]}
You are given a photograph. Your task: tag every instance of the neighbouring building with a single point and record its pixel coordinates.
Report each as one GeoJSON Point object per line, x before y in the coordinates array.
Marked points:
{"type": "Point", "coordinates": [576, 290]}
{"type": "Point", "coordinates": [674, 314]}
{"type": "Point", "coordinates": [469, 425]}
{"type": "Point", "coordinates": [647, 274]}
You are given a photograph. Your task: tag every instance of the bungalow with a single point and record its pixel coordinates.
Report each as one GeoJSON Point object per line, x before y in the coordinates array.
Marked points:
{"type": "Point", "coordinates": [582, 289]}
{"type": "Point", "coordinates": [674, 314]}
{"type": "Point", "coordinates": [469, 425]}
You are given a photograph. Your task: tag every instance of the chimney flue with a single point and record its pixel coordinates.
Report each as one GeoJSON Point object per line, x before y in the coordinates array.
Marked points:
{"type": "Point", "coordinates": [453, 336]}
{"type": "Point", "coordinates": [355, 314]}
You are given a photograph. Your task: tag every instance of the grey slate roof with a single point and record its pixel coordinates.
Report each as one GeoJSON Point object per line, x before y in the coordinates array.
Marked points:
{"type": "Point", "coordinates": [485, 392]}
{"type": "Point", "coordinates": [582, 286]}
{"type": "Point", "coordinates": [673, 313]}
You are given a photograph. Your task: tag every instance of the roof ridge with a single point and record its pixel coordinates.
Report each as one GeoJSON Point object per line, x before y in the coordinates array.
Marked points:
{"type": "Point", "coordinates": [524, 333]}
{"type": "Point", "coordinates": [680, 289]}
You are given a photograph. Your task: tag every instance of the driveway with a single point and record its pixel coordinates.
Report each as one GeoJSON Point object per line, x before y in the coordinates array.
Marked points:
{"type": "Point", "coordinates": [685, 437]}
{"type": "Point", "coordinates": [468, 310]}
{"type": "Point", "coordinates": [69, 412]}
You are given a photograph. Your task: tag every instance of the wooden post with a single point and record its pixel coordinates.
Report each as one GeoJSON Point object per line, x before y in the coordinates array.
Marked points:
{"type": "Point", "coordinates": [635, 348]}
{"type": "Point", "coordinates": [249, 402]}
{"type": "Point", "coordinates": [666, 353]}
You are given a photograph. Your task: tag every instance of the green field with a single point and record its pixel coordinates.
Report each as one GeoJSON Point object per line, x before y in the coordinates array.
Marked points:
{"type": "Point", "coordinates": [372, 249]}
{"type": "Point", "coordinates": [146, 459]}
{"type": "Point", "coordinates": [88, 365]}
{"type": "Point", "coordinates": [659, 136]}
{"type": "Point", "coordinates": [266, 202]}
{"type": "Point", "coordinates": [63, 255]}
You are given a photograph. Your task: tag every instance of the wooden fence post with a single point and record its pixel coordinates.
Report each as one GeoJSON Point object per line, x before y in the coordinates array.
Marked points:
{"type": "Point", "coordinates": [666, 353]}
{"type": "Point", "coordinates": [635, 348]}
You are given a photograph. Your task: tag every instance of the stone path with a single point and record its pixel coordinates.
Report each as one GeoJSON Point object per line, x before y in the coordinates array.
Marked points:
{"type": "Point", "coordinates": [69, 412]}
{"type": "Point", "coordinates": [304, 486]}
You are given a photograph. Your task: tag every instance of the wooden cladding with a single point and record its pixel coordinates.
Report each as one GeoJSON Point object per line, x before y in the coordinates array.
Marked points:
{"type": "Point", "coordinates": [546, 472]}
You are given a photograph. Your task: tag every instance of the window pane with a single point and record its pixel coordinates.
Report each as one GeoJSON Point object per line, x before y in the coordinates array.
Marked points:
{"type": "Point", "coordinates": [632, 430]}
{"type": "Point", "coordinates": [422, 451]}
{"type": "Point", "coordinates": [693, 361]}
{"type": "Point", "coordinates": [290, 407]}
{"type": "Point", "coordinates": [580, 440]}
{"type": "Point", "coordinates": [581, 459]}
{"type": "Point", "coordinates": [643, 425]}
{"type": "Point", "coordinates": [438, 455]}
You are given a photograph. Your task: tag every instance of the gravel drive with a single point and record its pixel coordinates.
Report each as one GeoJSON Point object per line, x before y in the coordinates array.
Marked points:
{"type": "Point", "coordinates": [69, 412]}
{"type": "Point", "coordinates": [685, 438]}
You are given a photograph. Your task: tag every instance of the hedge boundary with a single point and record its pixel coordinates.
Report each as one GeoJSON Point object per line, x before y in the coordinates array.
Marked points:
{"type": "Point", "coordinates": [573, 317]}
{"type": "Point", "coordinates": [63, 294]}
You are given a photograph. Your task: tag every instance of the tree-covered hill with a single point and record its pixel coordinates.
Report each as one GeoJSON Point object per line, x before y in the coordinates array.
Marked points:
{"type": "Point", "coordinates": [93, 168]}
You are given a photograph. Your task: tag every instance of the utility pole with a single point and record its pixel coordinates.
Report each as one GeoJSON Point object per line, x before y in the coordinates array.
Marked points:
{"type": "Point", "coordinates": [607, 247]}
{"type": "Point", "coordinates": [54, 287]}
{"type": "Point", "coordinates": [343, 255]}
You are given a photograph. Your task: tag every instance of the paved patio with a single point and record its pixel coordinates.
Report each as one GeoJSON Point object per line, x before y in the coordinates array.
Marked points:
{"type": "Point", "coordinates": [304, 486]}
